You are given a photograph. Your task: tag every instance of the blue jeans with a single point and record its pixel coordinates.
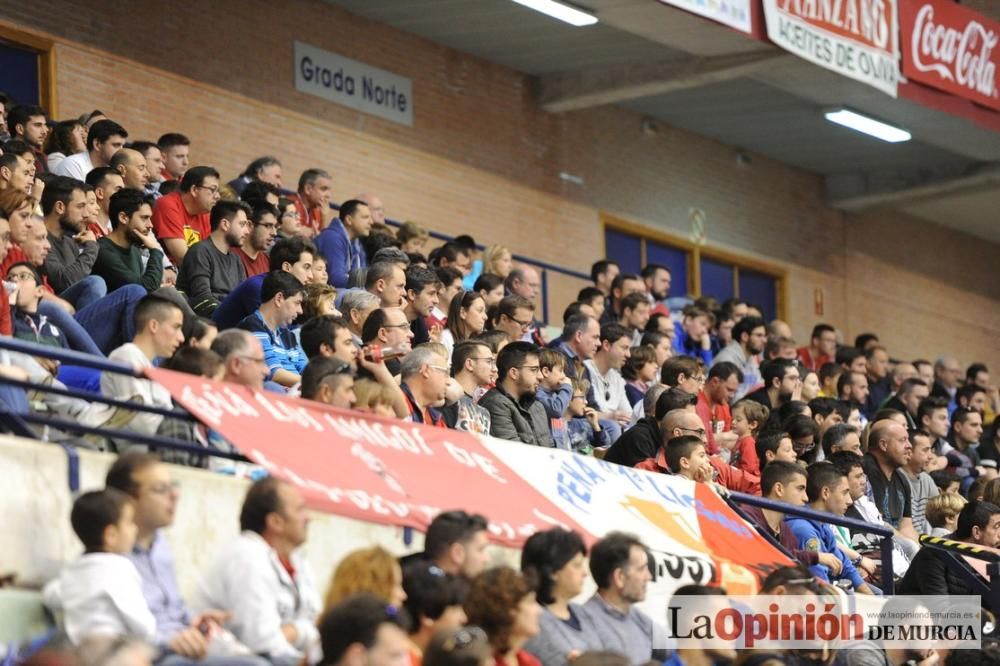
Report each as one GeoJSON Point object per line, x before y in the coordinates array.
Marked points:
{"type": "Point", "coordinates": [86, 292]}
{"type": "Point", "coordinates": [110, 321]}
{"type": "Point", "coordinates": [77, 337]}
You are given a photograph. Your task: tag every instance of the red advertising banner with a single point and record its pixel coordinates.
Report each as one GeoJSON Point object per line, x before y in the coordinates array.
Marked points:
{"type": "Point", "coordinates": [951, 48]}
{"type": "Point", "coordinates": [392, 472]}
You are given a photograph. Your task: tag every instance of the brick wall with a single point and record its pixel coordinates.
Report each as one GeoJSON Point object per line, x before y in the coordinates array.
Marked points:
{"type": "Point", "coordinates": [481, 158]}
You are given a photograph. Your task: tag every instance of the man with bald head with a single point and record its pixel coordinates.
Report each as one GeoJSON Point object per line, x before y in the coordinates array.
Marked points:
{"type": "Point", "coordinates": [889, 449]}
{"type": "Point", "coordinates": [375, 205]}
{"type": "Point", "coordinates": [131, 165]}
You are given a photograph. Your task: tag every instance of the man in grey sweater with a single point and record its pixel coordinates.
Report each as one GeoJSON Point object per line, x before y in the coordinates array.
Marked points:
{"type": "Point", "coordinates": [514, 413]}
{"type": "Point", "coordinates": [74, 247]}
{"type": "Point", "coordinates": [210, 270]}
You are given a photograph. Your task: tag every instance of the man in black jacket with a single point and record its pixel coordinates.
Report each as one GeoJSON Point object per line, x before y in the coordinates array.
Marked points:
{"type": "Point", "coordinates": [643, 440]}
{"type": "Point", "coordinates": [929, 572]}
{"type": "Point", "coordinates": [514, 413]}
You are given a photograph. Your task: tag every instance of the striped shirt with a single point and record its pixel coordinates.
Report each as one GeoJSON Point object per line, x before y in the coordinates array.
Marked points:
{"type": "Point", "coordinates": [281, 350]}
{"type": "Point", "coordinates": [922, 488]}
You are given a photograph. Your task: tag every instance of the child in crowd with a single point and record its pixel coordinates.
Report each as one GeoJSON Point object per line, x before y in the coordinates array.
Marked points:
{"type": "Point", "coordinates": [942, 513]}
{"type": "Point", "coordinates": [554, 388]}
{"type": "Point", "coordinates": [100, 593]}
{"type": "Point", "coordinates": [320, 274]}
{"type": "Point", "coordinates": [373, 397]}
{"type": "Point", "coordinates": [947, 482]}
{"type": "Point", "coordinates": [774, 446]}
{"type": "Point", "coordinates": [580, 430]}
{"type": "Point", "coordinates": [748, 417]}
{"type": "Point", "coordinates": [640, 372]}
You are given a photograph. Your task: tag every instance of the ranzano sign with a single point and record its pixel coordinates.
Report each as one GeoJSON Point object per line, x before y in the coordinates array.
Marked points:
{"type": "Point", "coordinates": [353, 84]}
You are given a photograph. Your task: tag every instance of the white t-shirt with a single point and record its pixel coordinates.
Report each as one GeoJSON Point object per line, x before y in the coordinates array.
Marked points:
{"type": "Point", "coordinates": [76, 166]}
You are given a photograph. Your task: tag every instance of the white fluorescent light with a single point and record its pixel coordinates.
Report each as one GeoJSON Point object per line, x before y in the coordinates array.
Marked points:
{"type": "Point", "coordinates": [558, 10]}
{"type": "Point", "coordinates": [867, 125]}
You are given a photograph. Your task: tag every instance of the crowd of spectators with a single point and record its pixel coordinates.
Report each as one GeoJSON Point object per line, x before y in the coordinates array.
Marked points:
{"type": "Point", "coordinates": [131, 250]}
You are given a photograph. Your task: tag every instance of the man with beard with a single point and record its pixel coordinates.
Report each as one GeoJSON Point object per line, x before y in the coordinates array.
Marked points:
{"type": "Point", "coordinates": [119, 259]}
{"type": "Point", "coordinates": [74, 248]}
{"type": "Point", "coordinates": [781, 378]}
{"type": "Point", "coordinates": [210, 270]}
{"type": "Point", "coordinates": [253, 251]}
{"type": "Point", "coordinates": [657, 279]}
{"type": "Point", "coordinates": [131, 166]}
{"type": "Point", "coordinates": [514, 413]}
{"type": "Point", "coordinates": [749, 338]}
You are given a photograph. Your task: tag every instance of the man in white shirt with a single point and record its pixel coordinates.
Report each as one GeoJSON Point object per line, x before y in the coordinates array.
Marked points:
{"type": "Point", "coordinates": [159, 332]}
{"type": "Point", "coordinates": [105, 138]}
{"type": "Point", "coordinates": [264, 579]}
{"type": "Point", "coordinates": [606, 379]}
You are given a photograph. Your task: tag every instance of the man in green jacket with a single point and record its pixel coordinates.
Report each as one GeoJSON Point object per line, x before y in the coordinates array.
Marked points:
{"type": "Point", "coordinates": [121, 257]}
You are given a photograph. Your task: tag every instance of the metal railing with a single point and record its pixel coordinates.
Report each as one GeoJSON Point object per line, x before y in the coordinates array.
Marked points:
{"type": "Point", "coordinates": [20, 423]}
{"type": "Point", "coordinates": [885, 544]}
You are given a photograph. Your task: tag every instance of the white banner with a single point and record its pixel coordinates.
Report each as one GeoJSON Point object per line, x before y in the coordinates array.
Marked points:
{"type": "Point", "coordinates": [854, 38]}
{"type": "Point", "coordinates": [353, 84]}
{"type": "Point", "coordinates": [734, 13]}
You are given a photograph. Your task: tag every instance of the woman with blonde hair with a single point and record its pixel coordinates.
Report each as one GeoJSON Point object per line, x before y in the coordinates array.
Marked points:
{"type": "Point", "coordinates": [413, 237]}
{"type": "Point", "coordinates": [497, 260]}
{"type": "Point", "coordinates": [373, 570]}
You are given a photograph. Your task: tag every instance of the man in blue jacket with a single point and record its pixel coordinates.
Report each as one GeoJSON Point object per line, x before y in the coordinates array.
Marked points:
{"type": "Point", "coordinates": [828, 492]}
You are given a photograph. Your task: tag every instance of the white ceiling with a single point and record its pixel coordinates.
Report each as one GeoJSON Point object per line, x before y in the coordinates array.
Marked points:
{"type": "Point", "coordinates": [774, 109]}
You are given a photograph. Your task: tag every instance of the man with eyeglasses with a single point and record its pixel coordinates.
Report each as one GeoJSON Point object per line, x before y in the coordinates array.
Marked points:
{"type": "Point", "coordinates": [388, 328]}
{"type": "Point", "coordinates": [514, 317]}
{"type": "Point", "coordinates": [253, 251]}
{"type": "Point", "coordinates": [515, 415]}
{"type": "Point", "coordinates": [179, 636]}
{"type": "Point", "coordinates": [424, 376]}
{"type": "Point", "coordinates": [180, 219]}
{"type": "Point", "coordinates": [472, 366]}
{"type": "Point", "coordinates": [210, 270]}
{"type": "Point", "coordinates": [243, 358]}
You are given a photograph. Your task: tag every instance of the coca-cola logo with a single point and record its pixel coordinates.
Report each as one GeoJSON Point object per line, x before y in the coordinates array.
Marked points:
{"type": "Point", "coordinates": [964, 57]}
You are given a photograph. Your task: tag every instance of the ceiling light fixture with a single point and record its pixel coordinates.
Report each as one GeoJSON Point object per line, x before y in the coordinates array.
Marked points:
{"type": "Point", "coordinates": [558, 10]}
{"type": "Point", "coordinates": [868, 125]}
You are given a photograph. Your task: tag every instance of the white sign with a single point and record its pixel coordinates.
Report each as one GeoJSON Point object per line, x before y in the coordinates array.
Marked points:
{"type": "Point", "coordinates": [353, 84]}
{"type": "Point", "coordinates": [855, 38]}
{"type": "Point", "coordinates": [734, 13]}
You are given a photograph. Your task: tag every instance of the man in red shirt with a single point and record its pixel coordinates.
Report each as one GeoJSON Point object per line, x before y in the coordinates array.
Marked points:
{"type": "Point", "coordinates": [723, 381]}
{"type": "Point", "coordinates": [822, 347]}
{"type": "Point", "coordinates": [253, 251]}
{"type": "Point", "coordinates": [313, 201]}
{"type": "Point", "coordinates": [180, 219]}
{"type": "Point", "coordinates": [685, 456]}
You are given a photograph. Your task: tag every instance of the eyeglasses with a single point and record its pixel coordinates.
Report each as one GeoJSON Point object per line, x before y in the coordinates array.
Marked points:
{"type": "Point", "coordinates": [440, 368]}
{"type": "Point", "coordinates": [269, 225]}
{"type": "Point", "coordinates": [21, 277]}
{"type": "Point", "coordinates": [529, 368]}
{"type": "Point", "coordinates": [700, 432]}
{"type": "Point", "coordinates": [165, 488]}
{"type": "Point", "coordinates": [462, 638]}
{"type": "Point", "coordinates": [290, 213]}
{"type": "Point", "coordinates": [525, 325]}
{"type": "Point", "coordinates": [403, 325]}
{"type": "Point", "coordinates": [213, 189]}
{"type": "Point", "coordinates": [492, 361]}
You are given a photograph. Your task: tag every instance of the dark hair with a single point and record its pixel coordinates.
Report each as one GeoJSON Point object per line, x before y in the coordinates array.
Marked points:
{"type": "Point", "coordinates": [93, 512]}
{"type": "Point", "coordinates": [141, 146]}
{"type": "Point", "coordinates": [723, 370]}
{"type": "Point", "coordinates": [451, 527]}
{"type": "Point", "coordinates": [545, 553]}
{"type": "Point", "coordinates": [261, 209]}
{"type": "Point", "coordinates": [318, 331]}
{"type": "Point", "coordinates": [600, 267]}
{"type": "Point", "coordinates": [973, 370]}
{"type": "Point", "coordinates": [280, 282]}
{"type": "Point", "coordinates": [942, 478]}
{"type": "Point", "coordinates": [356, 619]}
{"type": "Point", "coordinates": [376, 320]}
{"type": "Point", "coordinates": [430, 591]}
{"type": "Point", "coordinates": [9, 161]}
{"type": "Point", "coordinates": [21, 114]}
{"type": "Point", "coordinates": [102, 131]}
{"type": "Point", "coordinates": [261, 500]}
{"type": "Point", "coordinates": [195, 177]}
{"type": "Point", "coordinates": [194, 361]}
{"type": "Point", "coordinates": [466, 646]}
{"type": "Point", "coordinates": [493, 598]}
{"type": "Point", "coordinates": [820, 329]}
{"type": "Point", "coordinates": [31, 267]}
{"type": "Point", "coordinates": [487, 282]}
{"type": "Point", "coordinates": [775, 369]}
{"type": "Point", "coordinates": [588, 294]}
{"type": "Point", "coordinates": [747, 325]}
{"type": "Point", "coordinates": [200, 326]}
{"type": "Point", "coordinates": [768, 441]}
{"type": "Point", "coordinates": [974, 514]}
{"type": "Point", "coordinates": [678, 448]}
{"type": "Point", "coordinates": [967, 391]}
{"type": "Point", "coordinates": [671, 399]}
{"type": "Point", "coordinates": [638, 358]}
{"type": "Point", "coordinates": [448, 274]}
{"type": "Point", "coordinates": [678, 365]}
{"type": "Point", "coordinates": [259, 164]}
{"type": "Point", "coordinates": [227, 210]}
{"type": "Point", "coordinates": [310, 176]}
{"type": "Point", "coordinates": [513, 355]}
{"type": "Point", "coordinates": [611, 553]}
{"type": "Point", "coordinates": [797, 576]}
{"type": "Point", "coordinates": [633, 300]}
{"type": "Point", "coordinates": [97, 176]}
{"type": "Point", "coordinates": [127, 201]}
{"type": "Point", "coordinates": [845, 461]}
{"type": "Point", "coordinates": [171, 139]}
{"type": "Point", "coordinates": [462, 300]}
{"type": "Point", "coordinates": [152, 308]}
{"type": "Point", "coordinates": [778, 471]}
{"type": "Point", "coordinates": [289, 250]}
{"type": "Point", "coordinates": [350, 208]}
{"type": "Point", "coordinates": [612, 333]}
{"type": "Point", "coordinates": [463, 351]}
{"type": "Point", "coordinates": [319, 369]}
{"type": "Point", "coordinates": [121, 475]}
{"type": "Point", "coordinates": [836, 434]}
{"type": "Point", "coordinates": [256, 191]}
{"type": "Point", "coordinates": [60, 140]}
{"type": "Point", "coordinates": [419, 278]}
{"type": "Point", "coordinates": [847, 355]}
{"type": "Point", "coordinates": [59, 189]}
{"type": "Point", "coordinates": [863, 339]}
{"type": "Point", "coordinates": [822, 475]}
{"type": "Point", "coordinates": [449, 251]}
{"type": "Point", "coordinates": [928, 406]}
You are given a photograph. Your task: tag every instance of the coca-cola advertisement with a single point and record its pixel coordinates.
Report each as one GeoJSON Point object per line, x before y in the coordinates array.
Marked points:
{"type": "Point", "coordinates": [952, 48]}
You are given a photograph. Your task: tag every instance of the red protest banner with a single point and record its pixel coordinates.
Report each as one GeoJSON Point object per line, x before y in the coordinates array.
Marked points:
{"type": "Point", "coordinates": [951, 48]}
{"type": "Point", "coordinates": [361, 466]}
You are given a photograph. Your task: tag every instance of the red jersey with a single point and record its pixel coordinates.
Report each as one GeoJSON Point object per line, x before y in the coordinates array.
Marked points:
{"type": "Point", "coordinates": [171, 220]}
{"type": "Point", "coordinates": [718, 416]}
{"type": "Point", "coordinates": [256, 266]}
{"type": "Point", "coordinates": [814, 364]}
